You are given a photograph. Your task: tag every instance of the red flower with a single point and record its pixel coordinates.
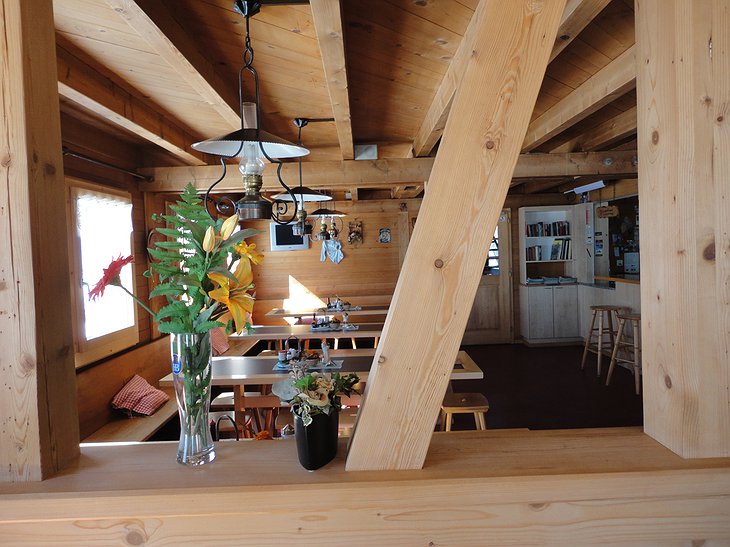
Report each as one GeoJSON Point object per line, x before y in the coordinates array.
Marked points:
{"type": "Point", "coordinates": [110, 277]}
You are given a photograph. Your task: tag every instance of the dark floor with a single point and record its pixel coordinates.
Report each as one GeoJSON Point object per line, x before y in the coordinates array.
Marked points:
{"type": "Point", "coordinates": [545, 388]}
{"type": "Point", "coordinates": [537, 388]}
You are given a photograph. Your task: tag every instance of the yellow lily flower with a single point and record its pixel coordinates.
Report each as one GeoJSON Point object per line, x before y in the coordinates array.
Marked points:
{"type": "Point", "coordinates": [228, 226]}
{"type": "Point", "coordinates": [235, 295]}
{"type": "Point", "coordinates": [209, 240]}
{"type": "Point", "coordinates": [249, 251]}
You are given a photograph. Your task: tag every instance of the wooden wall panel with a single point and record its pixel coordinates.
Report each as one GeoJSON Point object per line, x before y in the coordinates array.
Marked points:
{"type": "Point", "coordinates": [684, 145]}
{"type": "Point", "coordinates": [367, 274]}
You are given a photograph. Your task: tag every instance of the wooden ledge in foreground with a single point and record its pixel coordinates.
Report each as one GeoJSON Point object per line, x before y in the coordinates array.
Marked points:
{"type": "Point", "coordinates": [493, 487]}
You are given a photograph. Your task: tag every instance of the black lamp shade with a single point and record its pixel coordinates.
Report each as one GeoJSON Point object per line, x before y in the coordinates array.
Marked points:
{"type": "Point", "coordinates": [302, 193]}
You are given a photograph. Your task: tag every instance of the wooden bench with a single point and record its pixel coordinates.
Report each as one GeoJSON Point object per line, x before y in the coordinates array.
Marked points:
{"type": "Point", "coordinates": [97, 385]}
{"type": "Point", "coordinates": [136, 428]}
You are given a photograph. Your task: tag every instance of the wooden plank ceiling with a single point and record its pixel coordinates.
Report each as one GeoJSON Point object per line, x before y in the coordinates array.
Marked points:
{"type": "Point", "coordinates": [161, 74]}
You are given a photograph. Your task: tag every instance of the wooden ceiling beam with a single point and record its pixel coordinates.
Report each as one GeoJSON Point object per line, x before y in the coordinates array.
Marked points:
{"type": "Point", "coordinates": [348, 174]}
{"type": "Point", "coordinates": [603, 136]}
{"type": "Point", "coordinates": [610, 132]}
{"type": "Point", "coordinates": [577, 15]}
{"type": "Point", "coordinates": [156, 25]}
{"type": "Point", "coordinates": [537, 186]}
{"type": "Point", "coordinates": [612, 81]}
{"type": "Point", "coordinates": [327, 18]}
{"type": "Point", "coordinates": [83, 85]}
{"type": "Point", "coordinates": [406, 192]}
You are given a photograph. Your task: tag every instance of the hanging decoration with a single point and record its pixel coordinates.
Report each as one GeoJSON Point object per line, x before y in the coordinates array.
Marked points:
{"type": "Point", "coordinates": [354, 232]}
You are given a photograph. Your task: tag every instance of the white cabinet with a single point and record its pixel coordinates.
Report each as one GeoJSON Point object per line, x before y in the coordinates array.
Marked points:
{"type": "Point", "coordinates": [565, 311]}
{"type": "Point", "coordinates": [549, 313]}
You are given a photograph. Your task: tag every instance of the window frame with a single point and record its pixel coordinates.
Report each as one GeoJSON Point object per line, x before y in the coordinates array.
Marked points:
{"type": "Point", "coordinates": [89, 351]}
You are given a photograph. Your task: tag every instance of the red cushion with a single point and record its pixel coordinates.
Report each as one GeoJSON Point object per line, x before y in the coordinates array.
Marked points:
{"type": "Point", "coordinates": [140, 397]}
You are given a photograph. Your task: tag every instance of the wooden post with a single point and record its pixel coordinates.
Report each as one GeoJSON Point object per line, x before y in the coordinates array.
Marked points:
{"type": "Point", "coordinates": [684, 186]}
{"type": "Point", "coordinates": [443, 265]}
{"type": "Point", "coordinates": [39, 431]}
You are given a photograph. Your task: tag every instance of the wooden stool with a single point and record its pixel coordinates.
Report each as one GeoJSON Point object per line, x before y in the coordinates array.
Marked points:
{"type": "Point", "coordinates": [464, 403]}
{"type": "Point", "coordinates": [629, 345]}
{"type": "Point", "coordinates": [600, 344]}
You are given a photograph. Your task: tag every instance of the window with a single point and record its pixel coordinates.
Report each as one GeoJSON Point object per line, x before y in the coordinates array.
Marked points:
{"type": "Point", "coordinates": [101, 221]}
{"type": "Point", "coordinates": [492, 265]}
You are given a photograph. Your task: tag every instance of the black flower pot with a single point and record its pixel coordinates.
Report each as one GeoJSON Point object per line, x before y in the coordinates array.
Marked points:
{"type": "Point", "coordinates": [317, 442]}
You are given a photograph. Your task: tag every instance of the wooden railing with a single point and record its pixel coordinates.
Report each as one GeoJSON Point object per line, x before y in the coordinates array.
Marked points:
{"type": "Point", "coordinates": [578, 487]}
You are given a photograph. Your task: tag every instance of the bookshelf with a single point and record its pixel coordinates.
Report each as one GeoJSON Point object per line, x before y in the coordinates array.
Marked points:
{"type": "Point", "coordinates": [546, 242]}
{"type": "Point", "coordinates": [548, 290]}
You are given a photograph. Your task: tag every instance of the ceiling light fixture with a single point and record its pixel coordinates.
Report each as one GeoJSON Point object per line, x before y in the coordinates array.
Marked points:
{"type": "Point", "coordinates": [587, 187]}
{"type": "Point", "coordinates": [252, 145]}
{"type": "Point", "coordinates": [302, 194]}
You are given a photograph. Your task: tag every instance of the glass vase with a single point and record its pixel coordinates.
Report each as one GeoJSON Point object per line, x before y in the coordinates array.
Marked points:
{"type": "Point", "coordinates": [191, 368]}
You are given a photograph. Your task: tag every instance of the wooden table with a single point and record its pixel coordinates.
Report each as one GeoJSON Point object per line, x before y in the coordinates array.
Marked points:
{"type": "Point", "coordinates": [364, 310]}
{"type": "Point", "coordinates": [304, 332]}
{"type": "Point", "coordinates": [239, 372]}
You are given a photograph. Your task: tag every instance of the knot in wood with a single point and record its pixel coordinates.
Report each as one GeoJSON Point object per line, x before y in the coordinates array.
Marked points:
{"type": "Point", "coordinates": [135, 538]}
{"type": "Point", "coordinates": [489, 144]}
{"type": "Point", "coordinates": [655, 137]}
{"type": "Point", "coordinates": [439, 263]}
{"type": "Point", "coordinates": [668, 381]}
{"type": "Point", "coordinates": [709, 252]}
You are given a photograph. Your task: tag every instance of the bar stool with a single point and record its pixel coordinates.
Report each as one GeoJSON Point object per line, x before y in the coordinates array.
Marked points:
{"type": "Point", "coordinates": [464, 403]}
{"type": "Point", "coordinates": [600, 343]}
{"type": "Point", "coordinates": [629, 345]}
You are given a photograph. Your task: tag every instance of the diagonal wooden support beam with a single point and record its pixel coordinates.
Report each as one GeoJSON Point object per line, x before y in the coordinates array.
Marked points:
{"type": "Point", "coordinates": [609, 83]}
{"type": "Point", "coordinates": [327, 18]}
{"type": "Point", "coordinates": [438, 112]}
{"type": "Point", "coordinates": [577, 15]}
{"type": "Point", "coordinates": [343, 175]}
{"type": "Point", "coordinates": [153, 22]}
{"type": "Point", "coordinates": [442, 268]}
{"type": "Point", "coordinates": [81, 84]}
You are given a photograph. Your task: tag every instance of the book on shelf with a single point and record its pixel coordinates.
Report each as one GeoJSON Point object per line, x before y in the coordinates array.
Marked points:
{"type": "Point", "coordinates": [567, 280]}
{"type": "Point", "coordinates": [561, 249]}
{"type": "Point", "coordinates": [548, 229]}
{"type": "Point", "coordinates": [533, 253]}
{"type": "Point", "coordinates": [535, 281]}
{"type": "Point", "coordinates": [557, 249]}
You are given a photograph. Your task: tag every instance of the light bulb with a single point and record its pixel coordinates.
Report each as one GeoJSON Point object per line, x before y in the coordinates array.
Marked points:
{"type": "Point", "coordinates": [252, 162]}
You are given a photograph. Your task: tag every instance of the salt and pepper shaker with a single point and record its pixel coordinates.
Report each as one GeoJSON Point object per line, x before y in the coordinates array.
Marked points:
{"type": "Point", "coordinates": [325, 352]}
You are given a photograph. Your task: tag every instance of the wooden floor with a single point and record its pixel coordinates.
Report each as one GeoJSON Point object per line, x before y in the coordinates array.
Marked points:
{"type": "Point", "coordinates": [544, 388]}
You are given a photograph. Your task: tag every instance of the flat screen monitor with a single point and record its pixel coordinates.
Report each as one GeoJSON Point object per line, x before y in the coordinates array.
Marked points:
{"type": "Point", "coordinates": [283, 238]}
